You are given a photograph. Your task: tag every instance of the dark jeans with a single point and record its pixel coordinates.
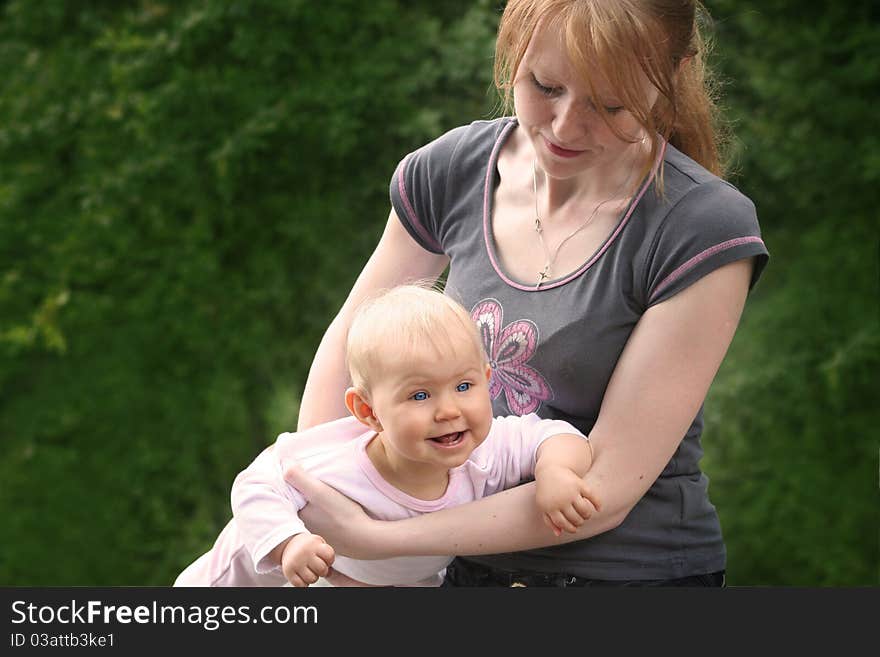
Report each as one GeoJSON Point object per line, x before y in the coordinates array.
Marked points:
{"type": "Point", "coordinates": [462, 572]}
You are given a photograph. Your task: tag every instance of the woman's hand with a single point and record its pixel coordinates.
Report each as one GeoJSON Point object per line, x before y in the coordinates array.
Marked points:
{"type": "Point", "coordinates": [331, 514]}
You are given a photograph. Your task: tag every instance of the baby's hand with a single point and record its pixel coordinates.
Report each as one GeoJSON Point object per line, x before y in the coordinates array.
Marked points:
{"type": "Point", "coordinates": [306, 557]}
{"type": "Point", "coordinates": [564, 498]}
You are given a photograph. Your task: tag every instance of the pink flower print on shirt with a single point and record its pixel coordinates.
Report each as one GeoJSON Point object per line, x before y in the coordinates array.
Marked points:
{"type": "Point", "coordinates": [509, 349]}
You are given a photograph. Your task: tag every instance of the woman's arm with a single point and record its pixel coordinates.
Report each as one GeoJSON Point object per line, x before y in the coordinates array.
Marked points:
{"type": "Point", "coordinates": [660, 381]}
{"type": "Point", "coordinates": [398, 258]}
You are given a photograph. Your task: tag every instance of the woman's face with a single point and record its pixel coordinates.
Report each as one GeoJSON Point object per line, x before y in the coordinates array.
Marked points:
{"type": "Point", "coordinates": [557, 111]}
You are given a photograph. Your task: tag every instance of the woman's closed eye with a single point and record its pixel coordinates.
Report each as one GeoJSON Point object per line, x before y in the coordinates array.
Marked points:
{"type": "Point", "coordinates": [555, 91]}
{"type": "Point", "coordinates": [544, 89]}
{"type": "Point", "coordinates": [610, 108]}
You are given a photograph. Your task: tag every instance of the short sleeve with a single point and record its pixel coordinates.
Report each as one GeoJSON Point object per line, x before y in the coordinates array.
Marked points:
{"type": "Point", "coordinates": [418, 188]}
{"type": "Point", "coordinates": [712, 225]}
{"type": "Point", "coordinates": [265, 506]}
{"type": "Point", "coordinates": [513, 445]}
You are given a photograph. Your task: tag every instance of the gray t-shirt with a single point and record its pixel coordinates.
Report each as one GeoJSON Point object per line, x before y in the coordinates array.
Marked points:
{"type": "Point", "coordinates": [553, 349]}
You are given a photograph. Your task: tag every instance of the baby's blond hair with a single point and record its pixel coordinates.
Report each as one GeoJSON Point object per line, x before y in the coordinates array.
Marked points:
{"type": "Point", "coordinates": [404, 319]}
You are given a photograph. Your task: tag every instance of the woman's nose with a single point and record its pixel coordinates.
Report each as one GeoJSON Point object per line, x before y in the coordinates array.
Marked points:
{"type": "Point", "coordinates": [572, 123]}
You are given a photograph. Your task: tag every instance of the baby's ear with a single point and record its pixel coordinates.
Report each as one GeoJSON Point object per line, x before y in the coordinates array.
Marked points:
{"type": "Point", "coordinates": [488, 371]}
{"type": "Point", "coordinates": [359, 406]}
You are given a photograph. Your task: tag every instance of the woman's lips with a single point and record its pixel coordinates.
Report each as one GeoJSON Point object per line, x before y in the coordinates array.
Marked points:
{"type": "Point", "coordinates": [559, 150]}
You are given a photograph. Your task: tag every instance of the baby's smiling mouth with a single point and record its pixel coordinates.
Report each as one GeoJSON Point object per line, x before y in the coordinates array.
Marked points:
{"type": "Point", "coordinates": [448, 438]}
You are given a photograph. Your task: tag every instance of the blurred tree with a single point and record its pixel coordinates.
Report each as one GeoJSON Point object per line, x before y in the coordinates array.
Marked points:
{"type": "Point", "coordinates": [177, 177]}
{"type": "Point", "coordinates": [791, 431]}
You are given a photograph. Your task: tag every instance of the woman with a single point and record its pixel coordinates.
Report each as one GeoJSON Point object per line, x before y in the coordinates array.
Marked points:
{"type": "Point", "coordinates": [607, 264]}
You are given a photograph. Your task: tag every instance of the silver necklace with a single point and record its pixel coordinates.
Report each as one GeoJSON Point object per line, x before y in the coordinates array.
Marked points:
{"type": "Point", "coordinates": [544, 274]}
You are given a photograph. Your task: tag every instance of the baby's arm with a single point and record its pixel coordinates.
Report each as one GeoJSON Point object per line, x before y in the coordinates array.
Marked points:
{"type": "Point", "coordinates": [266, 510]}
{"type": "Point", "coordinates": [561, 493]}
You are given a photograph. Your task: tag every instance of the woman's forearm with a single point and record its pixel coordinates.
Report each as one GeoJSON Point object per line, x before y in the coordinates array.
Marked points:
{"type": "Point", "coordinates": [508, 521]}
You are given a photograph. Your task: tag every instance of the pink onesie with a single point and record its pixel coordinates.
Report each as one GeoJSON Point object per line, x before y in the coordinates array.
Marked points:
{"type": "Point", "coordinates": [265, 506]}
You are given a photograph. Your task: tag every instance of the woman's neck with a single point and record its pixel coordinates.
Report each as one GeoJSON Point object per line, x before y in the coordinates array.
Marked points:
{"type": "Point", "coordinates": [595, 185]}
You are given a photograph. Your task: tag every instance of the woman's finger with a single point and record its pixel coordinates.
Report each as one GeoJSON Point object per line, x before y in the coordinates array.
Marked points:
{"type": "Point", "coordinates": [321, 495]}
{"type": "Point", "coordinates": [305, 483]}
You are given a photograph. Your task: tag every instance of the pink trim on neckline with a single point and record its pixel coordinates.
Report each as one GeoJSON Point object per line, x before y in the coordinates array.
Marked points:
{"type": "Point", "coordinates": [493, 160]}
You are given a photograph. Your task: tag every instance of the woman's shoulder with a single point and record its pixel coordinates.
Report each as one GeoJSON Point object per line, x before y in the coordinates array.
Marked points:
{"type": "Point", "coordinates": [466, 140]}
{"type": "Point", "coordinates": [686, 181]}
{"type": "Point", "coordinates": [699, 223]}
{"type": "Point", "coordinates": [479, 130]}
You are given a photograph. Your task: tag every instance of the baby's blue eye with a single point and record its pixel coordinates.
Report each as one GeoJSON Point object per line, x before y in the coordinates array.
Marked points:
{"type": "Point", "coordinates": [420, 396]}
{"type": "Point", "coordinates": [463, 387]}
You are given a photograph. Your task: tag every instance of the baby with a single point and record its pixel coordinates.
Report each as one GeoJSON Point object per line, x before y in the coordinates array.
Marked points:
{"type": "Point", "coordinates": [421, 437]}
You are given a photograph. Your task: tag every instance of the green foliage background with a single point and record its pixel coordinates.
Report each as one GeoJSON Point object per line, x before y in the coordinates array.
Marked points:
{"type": "Point", "coordinates": [188, 189]}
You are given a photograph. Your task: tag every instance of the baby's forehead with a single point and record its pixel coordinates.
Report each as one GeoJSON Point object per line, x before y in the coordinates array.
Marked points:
{"type": "Point", "coordinates": [428, 356]}
{"type": "Point", "coordinates": [431, 351]}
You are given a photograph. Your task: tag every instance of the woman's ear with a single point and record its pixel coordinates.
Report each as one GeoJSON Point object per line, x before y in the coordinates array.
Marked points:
{"type": "Point", "coordinates": [683, 63]}
{"type": "Point", "coordinates": [359, 406]}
